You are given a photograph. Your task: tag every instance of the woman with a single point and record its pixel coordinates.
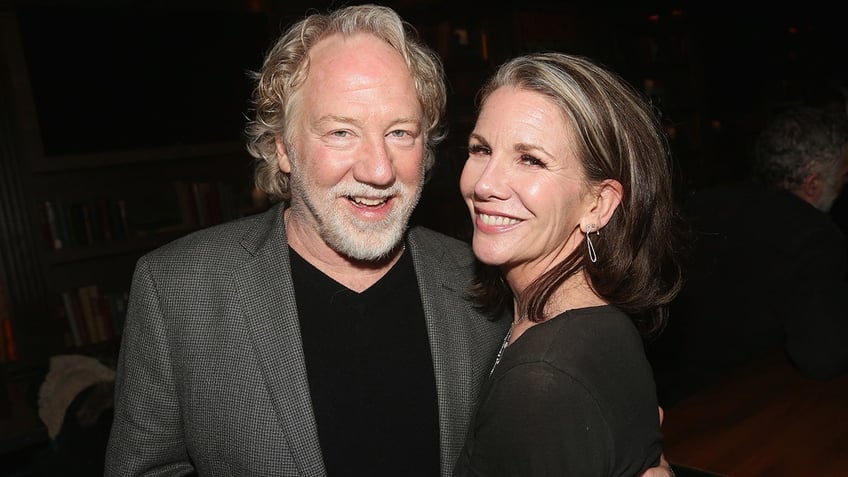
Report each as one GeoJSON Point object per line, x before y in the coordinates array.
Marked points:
{"type": "Point", "coordinates": [568, 183]}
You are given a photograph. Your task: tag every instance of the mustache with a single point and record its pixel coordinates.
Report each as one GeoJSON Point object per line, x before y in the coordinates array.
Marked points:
{"type": "Point", "coordinates": [368, 191]}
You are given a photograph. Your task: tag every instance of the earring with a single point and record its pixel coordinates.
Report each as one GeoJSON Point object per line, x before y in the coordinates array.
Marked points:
{"type": "Point", "coordinates": [592, 255]}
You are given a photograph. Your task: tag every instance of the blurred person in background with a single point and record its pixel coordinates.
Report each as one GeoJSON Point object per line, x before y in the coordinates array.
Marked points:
{"type": "Point", "coordinates": [769, 268]}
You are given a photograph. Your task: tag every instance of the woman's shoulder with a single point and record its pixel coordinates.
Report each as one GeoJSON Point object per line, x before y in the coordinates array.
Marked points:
{"type": "Point", "coordinates": [594, 345]}
{"type": "Point", "coordinates": [600, 325]}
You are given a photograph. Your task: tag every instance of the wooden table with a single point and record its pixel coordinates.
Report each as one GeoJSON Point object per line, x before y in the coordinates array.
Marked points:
{"type": "Point", "coordinates": [765, 420]}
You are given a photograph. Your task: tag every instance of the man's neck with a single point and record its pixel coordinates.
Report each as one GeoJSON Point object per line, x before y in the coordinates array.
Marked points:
{"type": "Point", "coordinates": [357, 275]}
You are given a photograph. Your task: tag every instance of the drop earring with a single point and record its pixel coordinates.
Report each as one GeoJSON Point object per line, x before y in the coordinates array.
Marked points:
{"type": "Point", "coordinates": [593, 256]}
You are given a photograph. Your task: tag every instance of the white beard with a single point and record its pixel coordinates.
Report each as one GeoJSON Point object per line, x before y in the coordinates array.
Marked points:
{"type": "Point", "coordinates": [347, 234]}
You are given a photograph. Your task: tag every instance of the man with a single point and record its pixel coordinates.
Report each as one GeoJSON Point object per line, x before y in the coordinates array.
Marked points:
{"type": "Point", "coordinates": [769, 266]}
{"type": "Point", "coordinates": [321, 337]}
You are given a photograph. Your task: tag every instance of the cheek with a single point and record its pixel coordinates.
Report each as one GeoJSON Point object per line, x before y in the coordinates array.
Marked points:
{"type": "Point", "coordinates": [536, 197]}
{"type": "Point", "coordinates": [322, 167]}
{"type": "Point", "coordinates": [556, 202]}
{"type": "Point", "coordinates": [409, 166]}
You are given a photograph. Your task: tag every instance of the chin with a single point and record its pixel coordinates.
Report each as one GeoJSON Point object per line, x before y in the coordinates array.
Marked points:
{"type": "Point", "coordinates": [487, 256]}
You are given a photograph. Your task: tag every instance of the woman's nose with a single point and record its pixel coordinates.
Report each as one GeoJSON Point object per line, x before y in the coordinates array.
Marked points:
{"type": "Point", "coordinates": [491, 180]}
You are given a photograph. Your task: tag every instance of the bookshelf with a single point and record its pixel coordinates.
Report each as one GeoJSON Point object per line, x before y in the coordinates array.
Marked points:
{"type": "Point", "coordinates": [90, 183]}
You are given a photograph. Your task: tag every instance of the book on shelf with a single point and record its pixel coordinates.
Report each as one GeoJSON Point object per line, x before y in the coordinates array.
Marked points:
{"type": "Point", "coordinates": [7, 336]}
{"type": "Point", "coordinates": [189, 205]}
{"type": "Point", "coordinates": [105, 225]}
{"type": "Point", "coordinates": [84, 223]}
{"type": "Point", "coordinates": [92, 315]}
{"type": "Point", "coordinates": [205, 203]}
{"type": "Point", "coordinates": [53, 236]}
{"type": "Point", "coordinates": [152, 211]}
{"type": "Point", "coordinates": [122, 223]}
{"type": "Point", "coordinates": [63, 224]}
{"type": "Point", "coordinates": [10, 352]}
{"type": "Point", "coordinates": [102, 320]}
{"type": "Point", "coordinates": [87, 313]}
{"type": "Point", "coordinates": [117, 304]}
{"type": "Point", "coordinates": [73, 313]}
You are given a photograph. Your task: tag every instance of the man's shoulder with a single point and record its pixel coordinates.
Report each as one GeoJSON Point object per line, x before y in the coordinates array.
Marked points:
{"type": "Point", "coordinates": [427, 238]}
{"type": "Point", "coordinates": [221, 240]}
{"type": "Point", "coordinates": [438, 254]}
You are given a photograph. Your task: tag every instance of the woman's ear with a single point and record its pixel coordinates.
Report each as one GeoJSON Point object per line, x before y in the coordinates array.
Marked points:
{"type": "Point", "coordinates": [282, 155]}
{"type": "Point", "coordinates": [608, 195]}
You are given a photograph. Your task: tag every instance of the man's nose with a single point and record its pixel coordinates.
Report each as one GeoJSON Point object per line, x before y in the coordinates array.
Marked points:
{"type": "Point", "coordinates": [374, 164]}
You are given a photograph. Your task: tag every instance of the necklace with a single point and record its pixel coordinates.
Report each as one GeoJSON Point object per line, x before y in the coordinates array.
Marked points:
{"type": "Point", "coordinates": [503, 347]}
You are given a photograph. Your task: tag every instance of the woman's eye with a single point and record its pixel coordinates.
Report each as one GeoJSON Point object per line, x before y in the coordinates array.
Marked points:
{"type": "Point", "coordinates": [476, 149]}
{"type": "Point", "coordinates": [530, 160]}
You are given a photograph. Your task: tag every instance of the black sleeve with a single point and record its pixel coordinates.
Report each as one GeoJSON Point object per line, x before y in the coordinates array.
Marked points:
{"type": "Point", "coordinates": [815, 315]}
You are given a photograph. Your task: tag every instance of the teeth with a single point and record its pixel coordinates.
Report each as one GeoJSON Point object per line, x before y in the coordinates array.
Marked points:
{"type": "Point", "coordinates": [367, 201]}
{"type": "Point", "coordinates": [497, 220]}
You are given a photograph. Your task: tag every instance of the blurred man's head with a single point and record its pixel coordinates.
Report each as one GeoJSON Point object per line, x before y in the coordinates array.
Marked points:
{"type": "Point", "coordinates": [804, 150]}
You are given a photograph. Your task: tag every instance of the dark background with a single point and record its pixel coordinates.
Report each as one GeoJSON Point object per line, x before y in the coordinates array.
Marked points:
{"type": "Point", "coordinates": [118, 75]}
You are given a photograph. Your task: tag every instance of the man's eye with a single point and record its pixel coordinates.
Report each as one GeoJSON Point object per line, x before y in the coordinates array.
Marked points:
{"type": "Point", "coordinates": [400, 133]}
{"type": "Point", "coordinates": [339, 133]}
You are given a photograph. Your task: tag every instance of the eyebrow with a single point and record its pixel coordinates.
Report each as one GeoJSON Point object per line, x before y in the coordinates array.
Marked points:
{"type": "Point", "coordinates": [524, 147]}
{"type": "Point", "coordinates": [335, 119]}
{"type": "Point", "coordinates": [520, 147]}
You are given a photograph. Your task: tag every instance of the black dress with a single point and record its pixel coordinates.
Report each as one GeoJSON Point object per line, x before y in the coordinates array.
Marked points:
{"type": "Point", "coordinates": [573, 396]}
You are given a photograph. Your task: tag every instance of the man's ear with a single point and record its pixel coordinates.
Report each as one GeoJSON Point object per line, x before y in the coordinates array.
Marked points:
{"type": "Point", "coordinates": [607, 198]}
{"type": "Point", "coordinates": [811, 189]}
{"type": "Point", "coordinates": [282, 155]}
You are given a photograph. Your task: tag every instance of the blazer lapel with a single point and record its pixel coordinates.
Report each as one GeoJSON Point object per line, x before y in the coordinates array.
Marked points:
{"type": "Point", "coordinates": [270, 312]}
{"type": "Point", "coordinates": [462, 342]}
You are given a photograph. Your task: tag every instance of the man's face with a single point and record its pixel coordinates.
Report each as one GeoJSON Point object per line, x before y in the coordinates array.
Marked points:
{"type": "Point", "coordinates": [357, 149]}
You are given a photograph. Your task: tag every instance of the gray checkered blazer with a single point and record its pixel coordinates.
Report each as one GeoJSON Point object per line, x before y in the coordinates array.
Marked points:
{"type": "Point", "coordinates": [211, 375]}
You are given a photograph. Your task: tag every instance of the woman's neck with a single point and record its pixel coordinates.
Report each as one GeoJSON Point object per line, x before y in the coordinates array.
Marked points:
{"type": "Point", "coordinates": [572, 294]}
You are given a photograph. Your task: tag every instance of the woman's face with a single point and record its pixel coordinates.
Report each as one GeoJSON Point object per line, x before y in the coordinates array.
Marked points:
{"type": "Point", "coordinates": [523, 184]}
